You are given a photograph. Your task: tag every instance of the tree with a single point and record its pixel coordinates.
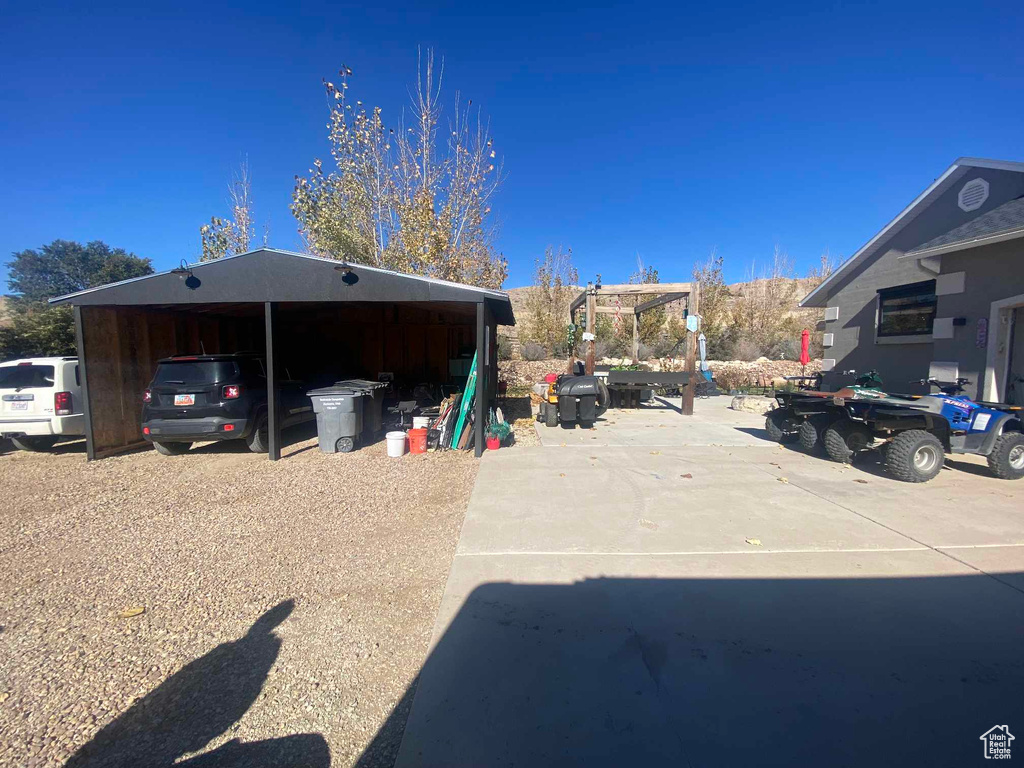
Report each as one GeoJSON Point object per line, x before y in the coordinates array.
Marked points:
{"type": "Point", "coordinates": [714, 305]}
{"type": "Point", "coordinates": [399, 198]}
{"type": "Point", "coordinates": [765, 303]}
{"type": "Point", "coordinates": [227, 237]}
{"type": "Point", "coordinates": [651, 324]}
{"type": "Point", "coordinates": [62, 267]}
{"type": "Point", "coordinates": [555, 282]}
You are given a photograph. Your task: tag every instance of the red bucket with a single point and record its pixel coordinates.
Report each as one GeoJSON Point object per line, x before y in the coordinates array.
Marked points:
{"type": "Point", "coordinates": [417, 441]}
{"type": "Point", "coordinates": [493, 443]}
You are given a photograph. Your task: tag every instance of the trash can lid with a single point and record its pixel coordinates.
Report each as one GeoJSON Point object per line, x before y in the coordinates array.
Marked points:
{"type": "Point", "coordinates": [348, 387]}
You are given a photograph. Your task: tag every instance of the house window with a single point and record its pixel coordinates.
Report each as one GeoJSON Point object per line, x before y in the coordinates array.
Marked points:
{"type": "Point", "coordinates": [907, 310]}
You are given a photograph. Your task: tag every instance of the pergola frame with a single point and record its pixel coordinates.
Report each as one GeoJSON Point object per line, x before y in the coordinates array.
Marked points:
{"type": "Point", "coordinates": [664, 293]}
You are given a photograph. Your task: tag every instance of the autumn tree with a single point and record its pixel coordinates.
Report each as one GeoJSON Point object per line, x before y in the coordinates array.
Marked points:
{"type": "Point", "coordinates": [233, 235]}
{"type": "Point", "coordinates": [410, 197]}
{"type": "Point", "coordinates": [714, 305]}
{"type": "Point", "coordinates": [555, 284]}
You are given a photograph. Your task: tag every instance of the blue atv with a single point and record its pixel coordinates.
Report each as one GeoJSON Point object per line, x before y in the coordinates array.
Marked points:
{"type": "Point", "coordinates": [919, 432]}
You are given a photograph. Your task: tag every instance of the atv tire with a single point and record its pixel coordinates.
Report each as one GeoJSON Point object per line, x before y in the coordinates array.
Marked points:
{"type": "Point", "coordinates": [812, 433]}
{"type": "Point", "coordinates": [34, 443]}
{"type": "Point", "coordinates": [1007, 458]}
{"type": "Point", "coordinates": [171, 449]}
{"type": "Point", "coordinates": [844, 439]}
{"type": "Point", "coordinates": [774, 425]}
{"type": "Point", "coordinates": [915, 456]}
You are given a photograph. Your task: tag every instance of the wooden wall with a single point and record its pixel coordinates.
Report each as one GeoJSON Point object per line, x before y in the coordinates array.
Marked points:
{"type": "Point", "coordinates": [123, 344]}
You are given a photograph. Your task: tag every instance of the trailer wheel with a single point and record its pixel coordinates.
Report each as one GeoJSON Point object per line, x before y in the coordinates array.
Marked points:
{"type": "Point", "coordinates": [1007, 458]}
{"type": "Point", "coordinates": [812, 432]}
{"type": "Point", "coordinates": [915, 456]}
{"type": "Point", "coordinates": [844, 439]}
{"type": "Point", "coordinates": [550, 415]}
{"type": "Point", "coordinates": [775, 425]}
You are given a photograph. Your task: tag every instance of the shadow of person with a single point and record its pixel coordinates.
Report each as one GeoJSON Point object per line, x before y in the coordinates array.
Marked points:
{"type": "Point", "coordinates": [200, 702]}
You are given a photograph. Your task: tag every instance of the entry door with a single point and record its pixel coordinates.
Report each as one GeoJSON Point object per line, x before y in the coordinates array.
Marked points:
{"type": "Point", "coordinates": [1015, 377]}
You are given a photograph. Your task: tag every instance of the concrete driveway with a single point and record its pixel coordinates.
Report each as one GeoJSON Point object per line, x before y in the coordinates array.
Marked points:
{"type": "Point", "coordinates": [674, 591]}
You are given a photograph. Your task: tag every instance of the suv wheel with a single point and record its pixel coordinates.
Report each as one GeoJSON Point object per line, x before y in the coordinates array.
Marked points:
{"type": "Point", "coordinates": [915, 456]}
{"type": "Point", "coordinates": [29, 443]}
{"type": "Point", "coordinates": [259, 439]}
{"type": "Point", "coordinates": [1007, 458]}
{"type": "Point", "coordinates": [845, 439]}
{"type": "Point", "coordinates": [171, 449]}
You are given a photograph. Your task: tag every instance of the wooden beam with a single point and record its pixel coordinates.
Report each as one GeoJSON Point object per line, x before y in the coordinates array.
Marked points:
{"type": "Point", "coordinates": [273, 394]}
{"type": "Point", "coordinates": [591, 329]}
{"type": "Point", "coordinates": [642, 288]}
{"type": "Point", "coordinates": [577, 303]}
{"type": "Point", "coordinates": [612, 310]}
{"type": "Point", "coordinates": [652, 303]}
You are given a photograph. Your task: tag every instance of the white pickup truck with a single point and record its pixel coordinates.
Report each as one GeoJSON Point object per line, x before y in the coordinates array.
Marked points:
{"type": "Point", "coordinates": [40, 401]}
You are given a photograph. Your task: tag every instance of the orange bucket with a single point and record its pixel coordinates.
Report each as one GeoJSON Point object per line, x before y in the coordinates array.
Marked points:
{"type": "Point", "coordinates": [417, 441]}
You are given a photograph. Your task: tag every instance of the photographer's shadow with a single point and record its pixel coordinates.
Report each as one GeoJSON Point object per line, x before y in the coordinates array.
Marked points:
{"type": "Point", "coordinates": [200, 702]}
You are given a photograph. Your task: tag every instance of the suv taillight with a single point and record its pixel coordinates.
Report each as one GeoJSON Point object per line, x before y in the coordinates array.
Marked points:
{"type": "Point", "coordinates": [231, 392]}
{"type": "Point", "coordinates": [62, 403]}
{"type": "Point", "coordinates": [147, 396]}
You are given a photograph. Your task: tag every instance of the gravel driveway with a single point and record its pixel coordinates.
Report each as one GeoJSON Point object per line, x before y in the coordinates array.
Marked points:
{"type": "Point", "coordinates": [288, 605]}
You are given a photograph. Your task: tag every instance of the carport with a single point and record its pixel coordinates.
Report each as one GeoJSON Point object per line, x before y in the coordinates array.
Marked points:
{"type": "Point", "coordinates": [304, 311]}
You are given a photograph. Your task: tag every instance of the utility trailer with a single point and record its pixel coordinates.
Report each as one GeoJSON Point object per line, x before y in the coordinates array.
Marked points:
{"type": "Point", "coordinates": [627, 387]}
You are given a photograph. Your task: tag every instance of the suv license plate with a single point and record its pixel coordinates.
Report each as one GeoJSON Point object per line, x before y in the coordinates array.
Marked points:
{"type": "Point", "coordinates": [19, 406]}
{"type": "Point", "coordinates": [184, 399]}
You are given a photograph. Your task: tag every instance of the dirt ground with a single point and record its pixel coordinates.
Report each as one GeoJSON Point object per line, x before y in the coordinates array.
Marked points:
{"type": "Point", "coordinates": [287, 606]}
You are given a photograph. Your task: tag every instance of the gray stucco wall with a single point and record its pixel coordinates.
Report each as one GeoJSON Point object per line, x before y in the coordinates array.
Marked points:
{"type": "Point", "coordinates": [992, 272]}
{"type": "Point", "coordinates": [854, 344]}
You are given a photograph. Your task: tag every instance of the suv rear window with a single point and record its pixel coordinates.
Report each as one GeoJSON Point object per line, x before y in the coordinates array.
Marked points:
{"type": "Point", "coordinates": [26, 376]}
{"type": "Point", "coordinates": [195, 372]}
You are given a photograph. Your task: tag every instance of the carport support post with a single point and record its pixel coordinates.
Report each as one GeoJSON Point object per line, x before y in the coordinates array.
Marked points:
{"type": "Point", "coordinates": [273, 396]}
{"type": "Point", "coordinates": [90, 445]}
{"type": "Point", "coordinates": [482, 370]}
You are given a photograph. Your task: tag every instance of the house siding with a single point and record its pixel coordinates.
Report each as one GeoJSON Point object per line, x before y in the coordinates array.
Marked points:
{"type": "Point", "coordinates": [902, 365]}
{"type": "Point", "coordinates": [992, 272]}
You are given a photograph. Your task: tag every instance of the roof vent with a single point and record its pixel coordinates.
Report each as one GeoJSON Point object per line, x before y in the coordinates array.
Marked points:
{"type": "Point", "coordinates": [973, 195]}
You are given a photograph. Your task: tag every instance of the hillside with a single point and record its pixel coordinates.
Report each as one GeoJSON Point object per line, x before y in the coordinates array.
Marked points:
{"type": "Point", "coordinates": [801, 286]}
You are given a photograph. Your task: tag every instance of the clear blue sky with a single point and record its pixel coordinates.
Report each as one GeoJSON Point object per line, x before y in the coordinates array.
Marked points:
{"type": "Point", "coordinates": [660, 130]}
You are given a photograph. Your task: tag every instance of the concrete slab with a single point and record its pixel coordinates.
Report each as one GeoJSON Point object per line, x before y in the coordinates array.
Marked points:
{"type": "Point", "coordinates": [694, 499]}
{"type": "Point", "coordinates": [605, 607]}
{"type": "Point", "coordinates": [709, 660]}
{"type": "Point", "coordinates": [662, 425]}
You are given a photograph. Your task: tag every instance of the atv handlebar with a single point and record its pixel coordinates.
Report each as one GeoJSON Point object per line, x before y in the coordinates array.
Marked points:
{"type": "Point", "coordinates": [947, 387]}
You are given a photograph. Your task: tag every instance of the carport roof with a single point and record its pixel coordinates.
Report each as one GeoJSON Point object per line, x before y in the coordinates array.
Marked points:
{"type": "Point", "coordinates": [268, 274]}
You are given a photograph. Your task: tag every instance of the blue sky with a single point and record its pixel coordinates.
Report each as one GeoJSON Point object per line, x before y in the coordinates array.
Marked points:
{"type": "Point", "coordinates": [660, 130]}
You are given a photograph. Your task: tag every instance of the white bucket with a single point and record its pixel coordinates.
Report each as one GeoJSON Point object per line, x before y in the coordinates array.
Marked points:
{"type": "Point", "coordinates": [421, 422]}
{"type": "Point", "coordinates": [396, 444]}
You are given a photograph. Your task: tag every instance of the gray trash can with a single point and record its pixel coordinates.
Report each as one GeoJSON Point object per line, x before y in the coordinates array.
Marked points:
{"type": "Point", "coordinates": [344, 411]}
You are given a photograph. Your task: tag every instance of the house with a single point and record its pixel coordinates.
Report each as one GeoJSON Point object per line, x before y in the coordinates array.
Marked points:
{"type": "Point", "coordinates": [939, 291]}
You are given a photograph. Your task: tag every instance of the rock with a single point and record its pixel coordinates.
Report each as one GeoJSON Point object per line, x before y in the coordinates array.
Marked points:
{"type": "Point", "coordinates": [752, 404]}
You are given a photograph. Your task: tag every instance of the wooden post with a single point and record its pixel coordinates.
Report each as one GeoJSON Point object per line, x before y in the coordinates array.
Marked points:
{"type": "Point", "coordinates": [273, 393]}
{"type": "Point", "coordinates": [591, 315]}
{"type": "Point", "coordinates": [636, 339]}
{"type": "Point", "coordinates": [83, 376]}
{"type": "Point", "coordinates": [482, 367]}
{"type": "Point", "coordinates": [692, 306]}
